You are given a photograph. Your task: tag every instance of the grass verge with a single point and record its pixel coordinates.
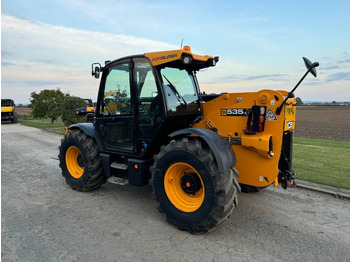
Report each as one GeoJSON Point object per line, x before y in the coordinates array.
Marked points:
{"type": "Point", "coordinates": [56, 127]}
{"type": "Point", "coordinates": [322, 161]}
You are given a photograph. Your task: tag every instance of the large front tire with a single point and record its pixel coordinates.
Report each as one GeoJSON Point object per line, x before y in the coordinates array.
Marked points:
{"type": "Point", "coordinates": [80, 161]}
{"type": "Point", "coordinates": [190, 190]}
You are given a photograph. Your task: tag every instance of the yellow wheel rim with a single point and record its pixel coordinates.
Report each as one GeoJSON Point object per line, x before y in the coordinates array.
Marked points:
{"type": "Point", "coordinates": [184, 187]}
{"type": "Point", "coordinates": [75, 162]}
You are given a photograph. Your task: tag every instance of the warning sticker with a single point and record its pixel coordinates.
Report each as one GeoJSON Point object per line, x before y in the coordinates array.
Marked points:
{"type": "Point", "coordinates": [270, 116]}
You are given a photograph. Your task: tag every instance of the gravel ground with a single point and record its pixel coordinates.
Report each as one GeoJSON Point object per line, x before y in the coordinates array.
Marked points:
{"type": "Point", "coordinates": [44, 220]}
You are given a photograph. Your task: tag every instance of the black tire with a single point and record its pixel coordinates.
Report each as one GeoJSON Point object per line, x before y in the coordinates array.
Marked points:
{"type": "Point", "coordinates": [80, 161]}
{"type": "Point", "coordinates": [209, 196]}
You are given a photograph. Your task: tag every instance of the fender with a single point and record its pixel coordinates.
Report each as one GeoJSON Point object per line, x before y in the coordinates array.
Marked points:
{"type": "Point", "coordinates": [221, 148]}
{"type": "Point", "coordinates": [87, 128]}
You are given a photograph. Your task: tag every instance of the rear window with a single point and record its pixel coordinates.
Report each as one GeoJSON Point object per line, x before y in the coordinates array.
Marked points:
{"type": "Point", "coordinates": [7, 102]}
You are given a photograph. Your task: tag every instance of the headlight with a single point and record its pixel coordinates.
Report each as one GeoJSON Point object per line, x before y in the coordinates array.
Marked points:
{"type": "Point", "coordinates": [187, 60]}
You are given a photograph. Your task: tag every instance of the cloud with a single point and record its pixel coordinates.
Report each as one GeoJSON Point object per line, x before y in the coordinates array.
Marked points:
{"type": "Point", "coordinates": [38, 56]}
{"type": "Point", "coordinates": [5, 53]}
{"type": "Point", "coordinates": [36, 83]}
{"type": "Point", "coordinates": [274, 77]}
{"type": "Point", "coordinates": [36, 40]}
{"type": "Point", "coordinates": [338, 76]}
{"type": "Point", "coordinates": [345, 61]}
{"type": "Point", "coordinates": [326, 68]}
{"type": "Point", "coordinates": [214, 80]}
{"type": "Point", "coordinates": [4, 64]}
{"type": "Point", "coordinates": [46, 61]}
{"type": "Point", "coordinates": [42, 55]}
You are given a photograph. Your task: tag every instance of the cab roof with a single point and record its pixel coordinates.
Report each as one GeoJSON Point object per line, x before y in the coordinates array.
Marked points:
{"type": "Point", "coordinates": [182, 59]}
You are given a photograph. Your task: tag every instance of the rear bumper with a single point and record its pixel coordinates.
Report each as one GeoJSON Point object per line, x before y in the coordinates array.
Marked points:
{"type": "Point", "coordinates": [7, 117]}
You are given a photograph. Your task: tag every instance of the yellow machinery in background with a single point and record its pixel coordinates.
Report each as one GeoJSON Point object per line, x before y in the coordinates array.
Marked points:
{"type": "Point", "coordinates": [8, 112]}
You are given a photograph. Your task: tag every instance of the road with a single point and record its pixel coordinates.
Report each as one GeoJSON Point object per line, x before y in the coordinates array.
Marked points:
{"type": "Point", "coordinates": [44, 220]}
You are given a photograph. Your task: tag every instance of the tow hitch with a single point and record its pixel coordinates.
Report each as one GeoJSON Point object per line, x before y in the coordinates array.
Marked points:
{"type": "Point", "coordinates": [286, 178]}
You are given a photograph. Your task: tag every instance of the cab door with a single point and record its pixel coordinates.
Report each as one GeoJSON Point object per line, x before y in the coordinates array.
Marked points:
{"type": "Point", "coordinates": [115, 118]}
{"type": "Point", "coordinates": [149, 99]}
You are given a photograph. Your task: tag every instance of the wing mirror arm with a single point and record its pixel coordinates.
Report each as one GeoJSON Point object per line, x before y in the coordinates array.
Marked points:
{"type": "Point", "coordinates": [311, 67]}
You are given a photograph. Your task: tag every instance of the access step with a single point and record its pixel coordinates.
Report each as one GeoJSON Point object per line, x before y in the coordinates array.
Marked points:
{"type": "Point", "coordinates": [117, 165]}
{"type": "Point", "coordinates": [118, 180]}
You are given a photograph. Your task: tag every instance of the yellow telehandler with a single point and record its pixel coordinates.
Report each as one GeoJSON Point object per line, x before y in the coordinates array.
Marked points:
{"type": "Point", "coordinates": [153, 125]}
{"type": "Point", "coordinates": [8, 110]}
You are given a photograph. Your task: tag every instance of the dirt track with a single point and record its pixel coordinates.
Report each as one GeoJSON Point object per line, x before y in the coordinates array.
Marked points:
{"type": "Point", "coordinates": [324, 122]}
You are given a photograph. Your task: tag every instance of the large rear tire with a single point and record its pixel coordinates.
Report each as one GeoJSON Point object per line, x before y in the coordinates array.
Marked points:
{"type": "Point", "coordinates": [80, 161]}
{"type": "Point", "coordinates": [190, 190]}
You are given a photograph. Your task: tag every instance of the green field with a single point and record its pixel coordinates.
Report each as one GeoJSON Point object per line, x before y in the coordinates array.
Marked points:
{"type": "Point", "coordinates": [322, 161]}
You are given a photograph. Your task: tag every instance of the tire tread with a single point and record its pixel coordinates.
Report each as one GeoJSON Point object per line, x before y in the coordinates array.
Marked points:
{"type": "Point", "coordinates": [226, 185]}
{"type": "Point", "coordinates": [93, 170]}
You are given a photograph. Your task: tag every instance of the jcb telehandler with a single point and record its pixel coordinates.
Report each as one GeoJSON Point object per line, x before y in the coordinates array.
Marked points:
{"type": "Point", "coordinates": [152, 125]}
{"type": "Point", "coordinates": [8, 110]}
{"type": "Point", "coordinates": [89, 105]}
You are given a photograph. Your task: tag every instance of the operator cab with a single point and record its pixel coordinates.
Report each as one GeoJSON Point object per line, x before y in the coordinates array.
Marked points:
{"type": "Point", "coordinates": [146, 97]}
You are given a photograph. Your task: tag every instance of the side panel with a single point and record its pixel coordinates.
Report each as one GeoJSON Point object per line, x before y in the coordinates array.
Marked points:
{"type": "Point", "coordinates": [7, 109]}
{"type": "Point", "coordinates": [139, 172]}
{"type": "Point", "coordinates": [257, 165]}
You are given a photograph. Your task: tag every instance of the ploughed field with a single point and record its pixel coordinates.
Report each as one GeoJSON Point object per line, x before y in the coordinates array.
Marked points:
{"type": "Point", "coordinates": [23, 112]}
{"type": "Point", "coordinates": [323, 122]}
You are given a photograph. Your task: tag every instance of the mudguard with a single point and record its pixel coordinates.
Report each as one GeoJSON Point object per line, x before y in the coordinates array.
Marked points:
{"type": "Point", "coordinates": [87, 128]}
{"type": "Point", "coordinates": [221, 148]}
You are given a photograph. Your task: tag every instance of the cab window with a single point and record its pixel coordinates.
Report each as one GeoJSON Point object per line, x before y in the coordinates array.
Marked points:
{"type": "Point", "coordinates": [117, 95]}
{"type": "Point", "coordinates": [180, 91]}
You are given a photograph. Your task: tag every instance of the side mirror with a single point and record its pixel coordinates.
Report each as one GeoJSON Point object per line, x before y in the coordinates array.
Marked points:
{"type": "Point", "coordinates": [81, 111]}
{"type": "Point", "coordinates": [311, 66]}
{"type": "Point", "coordinates": [96, 69]}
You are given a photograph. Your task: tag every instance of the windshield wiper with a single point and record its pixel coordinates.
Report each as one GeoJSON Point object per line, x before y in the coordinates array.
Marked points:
{"type": "Point", "coordinates": [177, 94]}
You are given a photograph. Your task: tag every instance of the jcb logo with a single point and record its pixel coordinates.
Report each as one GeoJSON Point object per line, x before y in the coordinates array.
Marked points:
{"type": "Point", "coordinates": [290, 111]}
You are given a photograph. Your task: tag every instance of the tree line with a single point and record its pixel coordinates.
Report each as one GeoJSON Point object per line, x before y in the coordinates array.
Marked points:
{"type": "Point", "coordinates": [53, 104]}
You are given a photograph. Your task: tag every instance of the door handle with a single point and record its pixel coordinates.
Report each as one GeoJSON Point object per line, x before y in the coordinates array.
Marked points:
{"type": "Point", "coordinates": [103, 130]}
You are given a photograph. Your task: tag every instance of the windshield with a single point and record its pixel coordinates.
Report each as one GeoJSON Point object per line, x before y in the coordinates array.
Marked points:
{"type": "Point", "coordinates": [7, 102]}
{"type": "Point", "coordinates": [180, 91]}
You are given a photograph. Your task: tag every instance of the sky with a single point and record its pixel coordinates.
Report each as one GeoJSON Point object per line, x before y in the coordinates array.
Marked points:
{"type": "Point", "coordinates": [50, 44]}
